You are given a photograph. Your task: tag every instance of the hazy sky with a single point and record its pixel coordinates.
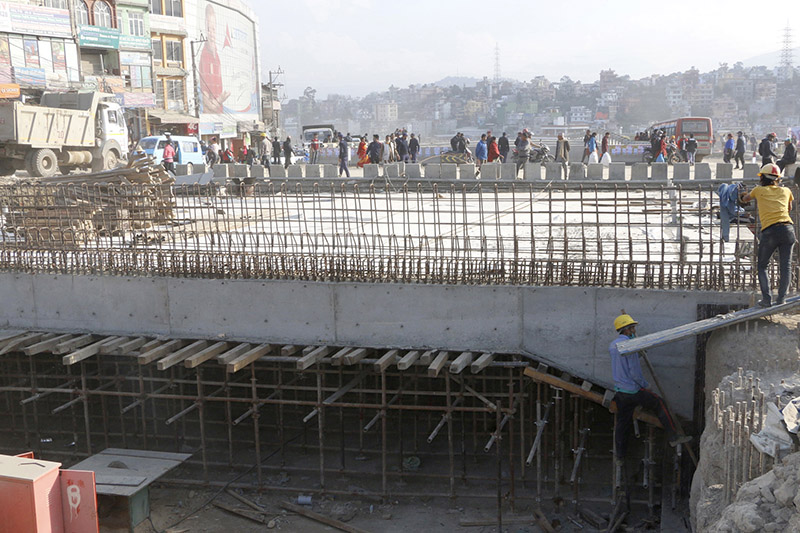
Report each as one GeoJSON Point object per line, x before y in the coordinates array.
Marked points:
{"type": "Point", "coordinates": [359, 46]}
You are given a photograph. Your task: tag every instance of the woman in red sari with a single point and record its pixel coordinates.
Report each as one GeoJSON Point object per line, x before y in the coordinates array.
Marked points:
{"type": "Point", "coordinates": [362, 153]}
{"type": "Point", "coordinates": [494, 150]}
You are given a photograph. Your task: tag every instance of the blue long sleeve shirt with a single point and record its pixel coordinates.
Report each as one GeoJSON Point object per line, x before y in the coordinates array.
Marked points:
{"type": "Point", "coordinates": [481, 150]}
{"type": "Point", "coordinates": [626, 369]}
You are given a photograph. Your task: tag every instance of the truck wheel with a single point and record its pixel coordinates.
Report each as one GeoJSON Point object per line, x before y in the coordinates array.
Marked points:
{"type": "Point", "coordinates": [107, 161]}
{"type": "Point", "coordinates": [44, 162]}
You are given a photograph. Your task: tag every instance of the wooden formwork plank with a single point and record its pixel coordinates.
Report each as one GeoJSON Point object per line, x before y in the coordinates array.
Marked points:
{"type": "Point", "coordinates": [83, 353]}
{"type": "Point", "coordinates": [5, 340]}
{"type": "Point", "coordinates": [427, 357]}
{"type": "Point", "coordinates": [73, 344]}
{"type": "Point", "coordinates": [461, 362]}
{"type": "Point", "coordinates": [127, 347]}
{"type": "Point", "coordinates": [45, 346]}
{"type": "Point", "coordinates": [111, 343]}
{"type": "Point", "coordinates": [233, 353]}
{"type": "Point", "coordinates": [290, 349]}
{"type": "Point", "coordinates": [356, 355]}
{"type": "Point", "coordinates": [147, 357]}
{"type": "Point", "coordinates": [26, 340]}
{"type": "Point", "coordinates": [204, 355]}
{"type": "Point", "coordinates": [176, 357]}
{"type": "Point", "coordinates": [387, 359]}
{"type": "Point", "coordinates": [313, 357]}
{"type": "Point", "coordinates": [249, 357]}
{"type": "Point", "coordinates": [338, 358]}
{"type": "Point", "coordinates": [482, 362]}
{"type": "Point", "coordinates": [408, 359]}
{"type": "Point", "coordinates": [438, 363]}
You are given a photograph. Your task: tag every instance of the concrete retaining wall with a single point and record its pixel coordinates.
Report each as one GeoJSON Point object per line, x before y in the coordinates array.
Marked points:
{"type": "Point", "coordinates": [569, 326]}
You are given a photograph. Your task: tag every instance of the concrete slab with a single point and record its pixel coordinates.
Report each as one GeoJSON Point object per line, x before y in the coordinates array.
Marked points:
{"type": "Point", "coordinates": [313, 171]}
{"type": "Point", "coordinates": [295, 171]}
{"type": "Point", "coordinates": [330, 171]}
{"type": "Point", "coordinates": [724, 171]}
{"type": "Point", "coordinates": [450, 171]}
{"type": "Point", "coordinates": [181, 170]}
{"type": "Point", "coordinates": [490, 171]}
{"type": "Point", "coordinates": [640, 171]}
{"type": "Point", "coordinates": [681, 171]}
{"type": "Point", "coordinates": [413, 171]}
{"type": "Point", "coordinates": [433, 171]}
{"type": "Point", "coordinates": [19, 307]}
{"type": "Point", "coordinates": [221, 170]}
{"type": "Point", "coordinates": [702, 171]}
{"type": "Point", "coordinates": [553, 171]}
{"type": "Point", "coordinates": [750, 170]}
{"type": "Point", "coordinates": [277, 171]}
{"type": "Point", "coordinates": [616, 171]}
{"type": "Point", "coordinates": [577, 171]}
{"type": "Point", "coordinates": [595, 171]}
{"type": "Point", "coordinates": [241, 171]}
{"type": "Point", "coordinates": [508, 171]}
{"type": "Point", "coordinates": [659, 171]}
{"type": "Point", "coordinates": [258, 171]}
{"type": "Point", "coordinates": [372, 171]}
{"type": "Point", "coordinates": [531, 172]}
{"type": "Point", "coordinates": [789, 171]}
{"type": "Point", "coordinates": [394, 170]}
{"type": "Point", "coordinates": [467, 171]}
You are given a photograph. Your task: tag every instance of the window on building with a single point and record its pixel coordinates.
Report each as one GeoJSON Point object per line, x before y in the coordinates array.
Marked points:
{"type": "Point", "coordinates": [160, 93]}
{"type": "Point", "coordinates": [82, 13]}
{"type": "Point", "coordinates": [174, 51]}
{"type": "Point", "coordinates": [136, 24]}
{"type": "Point", "coordinates": [119, 19]}
{"type": "Point", "coordinates": [158, 52]}
{"type": "Point", "coordinates": [102, 14]}
{"type": "Point", "coordinates": [175, 94]}
{"type": "Point", "coordinates": [58, 4]}
{"type": "Point", "coordinates": [173, 8]}
{"type": "Point", "coordinates": [156, 7]}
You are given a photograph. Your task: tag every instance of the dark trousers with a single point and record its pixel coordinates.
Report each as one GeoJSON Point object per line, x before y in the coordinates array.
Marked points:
{"type": "Point", "coordinates": [627, 403]}
{"type": "Point", "coordinates": [343, 167]}
{"type": "Point", "coordinates": [413, 157]}
{"type": "Point", "coordinates": [288, 159]}
{"type": "Point", "coordinates": [738, 157]}
{"type": "Point", "coordinates": [780, 237]}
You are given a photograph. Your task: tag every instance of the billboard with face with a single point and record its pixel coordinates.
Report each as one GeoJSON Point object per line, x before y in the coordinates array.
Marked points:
{"type": "Point", "coordinates": [226, 65]}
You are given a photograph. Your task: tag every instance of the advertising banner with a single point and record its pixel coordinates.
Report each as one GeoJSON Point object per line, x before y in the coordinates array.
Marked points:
{"type": "Point", "coordinates": [9, 90]}
{"type": "Point", "coordinates": [137, 59]}
{"type": "Point", "coordinates": [136, 100]}
{"type": "Point", "coordinates": [34, 20]}
{"type": "Point", "coordinates": [98, 37]}
{"type": "Point", "coordinates": [226, 62]}
{"type": "Point", "coordinates": [30, 77]}
{"type": "Point", "coordinates": [134, 41]}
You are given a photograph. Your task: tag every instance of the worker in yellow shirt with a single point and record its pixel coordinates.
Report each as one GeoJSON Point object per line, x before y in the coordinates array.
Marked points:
{"type": "Point", "coordinates": [777, 230]}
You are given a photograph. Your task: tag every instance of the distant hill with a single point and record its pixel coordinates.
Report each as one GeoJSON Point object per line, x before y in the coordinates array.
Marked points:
{"type": "Point", "coordinates": [461, 81]}
{"type": "Point", "coordinates": [770, 60]}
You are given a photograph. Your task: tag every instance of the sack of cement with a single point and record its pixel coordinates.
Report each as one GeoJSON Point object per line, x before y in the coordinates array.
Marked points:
{"type": "Point", "coordinates": [791, 415]}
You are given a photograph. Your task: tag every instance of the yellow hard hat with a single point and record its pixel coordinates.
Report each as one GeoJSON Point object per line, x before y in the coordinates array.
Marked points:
{"type": "Point", "coordinates": [623, 321]}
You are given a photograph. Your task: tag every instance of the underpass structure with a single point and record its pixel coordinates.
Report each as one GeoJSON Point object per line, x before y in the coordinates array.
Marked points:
{"type": "Point", "coordinates": [446, 340]}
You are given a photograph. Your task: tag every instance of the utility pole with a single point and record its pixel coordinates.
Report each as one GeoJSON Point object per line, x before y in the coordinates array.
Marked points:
{"type": "Point", "coordinates": [274, 114]}
{"type": "Point", "coordinates": [195, 77]}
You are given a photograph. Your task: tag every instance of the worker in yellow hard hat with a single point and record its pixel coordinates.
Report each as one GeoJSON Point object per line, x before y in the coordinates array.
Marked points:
{"type": "Point", "coordinates": [777, 230]}
{"type": "Point", "coordinates": [632, 390]}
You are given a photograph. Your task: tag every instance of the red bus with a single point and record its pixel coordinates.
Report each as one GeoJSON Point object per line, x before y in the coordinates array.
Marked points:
{"type": "Point", "coordinates": [699, 126]}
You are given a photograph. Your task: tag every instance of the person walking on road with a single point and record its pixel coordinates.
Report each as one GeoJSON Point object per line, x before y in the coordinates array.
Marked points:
{"type": "Point", "coordinates": [727, 151]}
{"type": "Point", "coordinates": [562, 152]}
{"type": "Point", "coordinates": [401, 145]}
{"type": "Point", "coordinates": [264, 150]}
{"type": "Point", "coordinates": [632, 391]}
{"type": "Point", "coordinates": [503, 146]}
{"type": "Point", "coordinates": [765, 149]}
{"type": "Point", "coordinates": [523, 151]}
{"type": "Point", "coordinates": [586, 137]}
{"type": "Point", "coordinates": [494, 151]}
{"type": "Point", "coordinates": [691, 149]}
{"type": "Point", "coordinates": [276, 151]}
{"type": "Point", "coordinates": [344, 156]}
{"type": "Point", "coordinates": [374, 150]}
{"type": "Point", "coordinates": [413, 148]}
{"type": "Point", "coordinates": [288, 152]}
{"type": "Point", "coordinates": [777, 230]}
{"type": "Point", "coordinates": [168, 159]}
{"type": "Point", "coordinates": [741, 148]}
{"type": "Point", "coordinates": [481, 153]}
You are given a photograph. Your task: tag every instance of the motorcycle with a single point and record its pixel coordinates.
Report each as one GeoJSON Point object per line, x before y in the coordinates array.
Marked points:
{"type": "Point", "coordinates": [673, 155]}
{"type": "Point", "coordinates": [540, 154]}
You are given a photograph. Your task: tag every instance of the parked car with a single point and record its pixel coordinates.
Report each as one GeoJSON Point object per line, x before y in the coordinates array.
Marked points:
{"type": "Point", "coordinates": [187, 150]}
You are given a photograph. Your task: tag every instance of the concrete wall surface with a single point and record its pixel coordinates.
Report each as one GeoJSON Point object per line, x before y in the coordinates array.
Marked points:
{"type": "Point", "coordinates": [569, 327]}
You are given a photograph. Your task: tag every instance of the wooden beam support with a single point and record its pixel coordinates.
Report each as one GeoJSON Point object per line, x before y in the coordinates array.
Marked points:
{"type": "Point", "coordinates": [290, 349]}
{"type": "Point", "coordinates": [204, 355]}
{"type": "Point", "coordinates": [182, 354]}
{"type": "Point", "coordinates": [26, 340]}
{"type": "Point", "coordinates": [73, 344]}
{"type": "Point", "coordinates": [438, 364]}
{"type": "Point", "coordinates": [461, 362]}
{"type": "Point", "coordinates": [147, 357]}
{"type": "Point", "coordinates": [483, 361]}
{"type": "Point", "coordinates": [387, 359]}
{"type": "Point", "coordinates": [127, 347]}
{"type": "Point", "coordinates": [589, 395]}
{"type": "Point", "coordinates": [249, 357]}
{"type": "Point", "coordinates": [313, 357]}
{"type": "Point", "coordinates": [233, 353]}
{"type": "Point", "coordinates": [356, 355]}
{"type": "Point", "coordinates": [45, 346]}
{"type": "Point", "coordinates": [408, 359]}
{"type": "Point", "coordinates": [338, 358]}
{"type": "Point", "coordinates": [112, 343]}
{"type": "Point", "coordinates": [83, 353]}
{"type": "Point", "coordinates": [11, 337]}
{"type": "Point", "coordinates": [427, 357]}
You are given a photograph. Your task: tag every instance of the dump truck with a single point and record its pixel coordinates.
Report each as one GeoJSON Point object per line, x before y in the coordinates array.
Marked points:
{"type": "Point", "coordinates": [65, 131]}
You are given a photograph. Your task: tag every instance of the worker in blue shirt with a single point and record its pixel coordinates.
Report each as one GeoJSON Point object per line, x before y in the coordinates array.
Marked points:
{"type": "Point", "coordinates": [632, 390]}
